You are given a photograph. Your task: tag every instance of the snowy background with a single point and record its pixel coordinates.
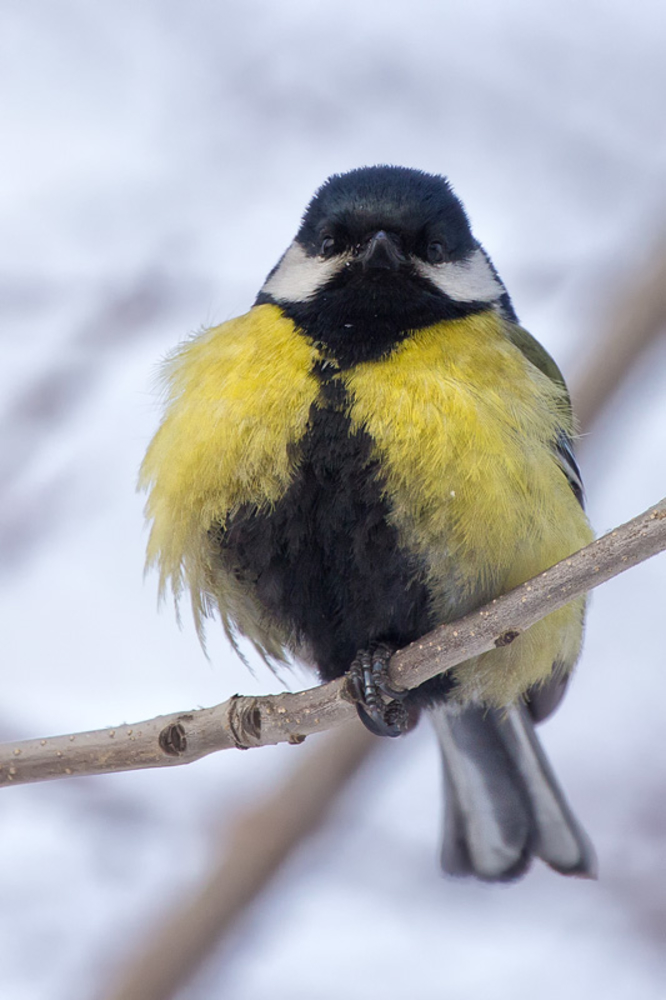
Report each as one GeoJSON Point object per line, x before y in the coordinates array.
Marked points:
{"type": "Point", "coordinates": [155, 160]}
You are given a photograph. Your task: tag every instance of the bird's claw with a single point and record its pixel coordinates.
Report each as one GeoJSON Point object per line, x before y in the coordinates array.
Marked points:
{"type": "Point", "coordinates": [369, 686]}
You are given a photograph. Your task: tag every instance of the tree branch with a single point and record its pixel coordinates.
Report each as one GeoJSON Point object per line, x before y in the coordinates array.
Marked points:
{"type": "Point", "coordinates": [244, 722]}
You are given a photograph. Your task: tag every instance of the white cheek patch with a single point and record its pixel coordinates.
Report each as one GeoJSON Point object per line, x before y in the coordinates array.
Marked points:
{"type": "Point", "coordinates": [470, 280]}
{"type": "Point", "coordinates": [298, 276]}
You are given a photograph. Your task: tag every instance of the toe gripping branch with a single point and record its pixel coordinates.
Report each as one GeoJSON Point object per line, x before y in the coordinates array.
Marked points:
{"type": "Point", "coordinates": [380, 707]}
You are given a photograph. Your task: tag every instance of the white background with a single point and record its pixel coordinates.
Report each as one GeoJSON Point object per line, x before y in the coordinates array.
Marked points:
{"type": "Point", "coordinates": [155, 160]}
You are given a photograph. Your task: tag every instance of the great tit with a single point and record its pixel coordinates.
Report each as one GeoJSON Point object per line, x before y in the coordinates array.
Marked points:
{"type": "Point", "coordinates": [375, 448]}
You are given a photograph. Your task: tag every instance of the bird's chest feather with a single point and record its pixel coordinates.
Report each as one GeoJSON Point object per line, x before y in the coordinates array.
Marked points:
{"type": "Point", "coordinates": [397, 492]}
{"type": "Point", "coordinates": [422, 473]}
{"type": "Point", "coordinates": [325, 559]}
{"type": "Point", "coordinates": [463, 426]}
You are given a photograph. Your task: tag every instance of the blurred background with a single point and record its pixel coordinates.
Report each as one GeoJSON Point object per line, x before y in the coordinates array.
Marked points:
{"type": "Point", "coordinates": [156, 158]}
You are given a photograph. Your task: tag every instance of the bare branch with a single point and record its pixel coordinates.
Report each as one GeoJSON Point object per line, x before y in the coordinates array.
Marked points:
{"type": "Point", "coordinates": [245, 722]}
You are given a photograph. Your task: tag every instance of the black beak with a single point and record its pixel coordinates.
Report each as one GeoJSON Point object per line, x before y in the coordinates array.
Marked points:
{"type": "Point", "coordinates": [382, 252]}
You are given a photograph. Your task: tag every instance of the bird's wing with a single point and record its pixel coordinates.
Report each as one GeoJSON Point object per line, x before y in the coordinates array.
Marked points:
{"type": "Point", "coordinates": [563, 444]}
{"type": "Point", "coordinates": [543, 699]}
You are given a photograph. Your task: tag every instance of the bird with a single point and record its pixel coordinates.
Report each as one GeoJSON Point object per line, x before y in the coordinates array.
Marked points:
{"type": "Point", "coordinates": [375, 448]}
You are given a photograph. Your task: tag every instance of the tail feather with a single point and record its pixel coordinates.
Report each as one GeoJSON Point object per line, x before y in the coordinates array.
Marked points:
{"type": "Point", "coordinates": [562, 843]}
{"type": "Point", "coordinates": [503, 803]}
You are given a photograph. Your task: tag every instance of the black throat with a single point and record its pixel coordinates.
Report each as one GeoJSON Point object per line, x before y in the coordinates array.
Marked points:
{"type": "Point", "coordinates": [356, 321]}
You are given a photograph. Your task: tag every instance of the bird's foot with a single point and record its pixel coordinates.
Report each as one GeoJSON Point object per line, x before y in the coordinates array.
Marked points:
{"type": "Point", "coordinates": [379, 706]}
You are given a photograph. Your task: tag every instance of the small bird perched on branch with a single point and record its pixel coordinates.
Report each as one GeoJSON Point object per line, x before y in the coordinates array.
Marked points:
{"type": "Point", "coordinates": [375, 448]}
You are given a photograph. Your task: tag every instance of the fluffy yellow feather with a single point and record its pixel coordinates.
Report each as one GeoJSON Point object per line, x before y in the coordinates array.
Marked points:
{"type": "Point", "coordinates": [238, 397]}
{"type": "Point", "coordinates": [469, 470]}
{"type": "Point", "coordinates": [474, 489]}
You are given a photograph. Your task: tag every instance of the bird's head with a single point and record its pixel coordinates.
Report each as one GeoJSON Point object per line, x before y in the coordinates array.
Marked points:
{"type": "Point", "coordinates": [381, 251]}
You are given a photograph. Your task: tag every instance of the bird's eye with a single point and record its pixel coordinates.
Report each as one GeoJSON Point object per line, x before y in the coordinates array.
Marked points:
{"type": "Point", "coordinates": [327, 246]}
{"type": "Point", "coordinates": [436, 253]}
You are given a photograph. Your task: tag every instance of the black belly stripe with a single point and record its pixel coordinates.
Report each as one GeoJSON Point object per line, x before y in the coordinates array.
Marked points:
{"type": "Point", "coordinates": [326, 561]}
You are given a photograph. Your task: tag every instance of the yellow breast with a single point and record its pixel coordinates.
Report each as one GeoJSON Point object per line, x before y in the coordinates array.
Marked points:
{"type": "Point", "coordinates": [464, 426]}
{"type": "Point", "coordinates": [239, 398]}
